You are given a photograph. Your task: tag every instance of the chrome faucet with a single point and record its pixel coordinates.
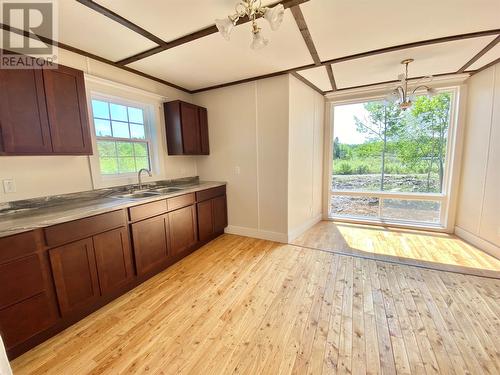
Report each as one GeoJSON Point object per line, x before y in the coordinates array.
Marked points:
{"type": "Point", "coordinates": [139, 176]}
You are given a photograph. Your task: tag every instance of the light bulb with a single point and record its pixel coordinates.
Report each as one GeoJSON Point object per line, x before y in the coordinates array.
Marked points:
{"type": "Point", "coordinates": [431, 92]}
{"type": "Point", "coordinates": [275, 16]}
{"type": "Point", "coordinates": [258, 41]}
{"type": "Point", "coordinates": [225, 26]}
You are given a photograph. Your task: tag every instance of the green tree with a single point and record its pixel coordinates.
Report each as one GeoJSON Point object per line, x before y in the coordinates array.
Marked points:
{"type": "Point", "coordinates": [384, 122]}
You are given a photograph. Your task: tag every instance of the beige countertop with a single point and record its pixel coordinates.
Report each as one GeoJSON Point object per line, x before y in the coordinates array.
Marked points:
{"type": "Point", "coordinates": [18, 222]}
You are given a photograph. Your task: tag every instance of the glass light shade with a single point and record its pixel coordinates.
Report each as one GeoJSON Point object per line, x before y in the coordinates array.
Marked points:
{"type": "Point", "coordinates": [275, 16]}
{"type": "Point", "coordinates": [225, 26]}
{"type": "Point", "coordinates": [431, 92]}
{"type": "Point", "coordinates": [258, 41]}
{"type": "Point", "coordinates": [392, 97]}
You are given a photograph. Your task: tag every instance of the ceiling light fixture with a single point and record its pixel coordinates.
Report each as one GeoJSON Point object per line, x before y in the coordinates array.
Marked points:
{"type": "Point", "coordinates": [252, 9]}
{"type": "Point", "coordinates": [401, 94]}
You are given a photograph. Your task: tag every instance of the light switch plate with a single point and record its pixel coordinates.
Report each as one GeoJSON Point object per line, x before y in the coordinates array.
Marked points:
{"type": "Point", "coordinates": [9, 186]}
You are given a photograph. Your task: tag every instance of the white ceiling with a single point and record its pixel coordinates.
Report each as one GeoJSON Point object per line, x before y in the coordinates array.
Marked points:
{"type": "Point", "coordinates": [213, 60]}
{"type": "Point", "coordinates": [318, 77]}
{"type": "Point", "coordinates": [346, 27]}
{"type": "Point", "coordinates": [488, 57]}
{"type": "Point", "coordinates": [338, 28]}
{"type": "Point", "coordinates": [429, 60]}
{"type": "Point", "coordinates": [172, 19]}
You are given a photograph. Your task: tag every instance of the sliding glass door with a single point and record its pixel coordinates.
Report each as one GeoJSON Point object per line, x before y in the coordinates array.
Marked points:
{"type": "Point", "coordinates": [391, 165]}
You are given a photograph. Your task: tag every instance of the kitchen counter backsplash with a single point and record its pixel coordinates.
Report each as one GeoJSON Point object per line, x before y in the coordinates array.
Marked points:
{"type": "Point", "coordinates": [29, 205]}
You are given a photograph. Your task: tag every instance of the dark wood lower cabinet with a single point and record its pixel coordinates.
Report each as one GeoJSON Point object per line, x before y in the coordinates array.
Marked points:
{"type": "Point", "coordinates": [150, 238]}
{"type": "Point", "coordinates": [114, 259]}
{"type": "Point", "coordinates": [57, 275]}
{"type": "Point", "coordinates": [75, 275]}
{"type": "Point", "coordinates": [182, 229]}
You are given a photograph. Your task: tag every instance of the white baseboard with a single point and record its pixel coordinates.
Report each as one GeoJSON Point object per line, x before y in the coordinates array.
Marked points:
{"type": "Point", "coordinates": [484, 245]}
{"type": "Point", "coordinates": [257, 233]}
{"type": "Point", "coordinates": [293, 234]}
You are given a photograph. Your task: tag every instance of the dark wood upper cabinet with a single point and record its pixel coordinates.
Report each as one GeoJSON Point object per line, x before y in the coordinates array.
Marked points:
{"type": "Point", "coordinates": [24, 124]}
{"type": "Point", "coordinates": [75, 275]}
{"type": "Point", "coordinates": [67, 110]}
{"type": "Point", "coordinates": [187, 128]}
{"type": "Point", "coordinates": [43, 112]}
{"type": "Point", "coordinates": [114, 259]}
{"type": "Point", "coordinates": [183, 231]}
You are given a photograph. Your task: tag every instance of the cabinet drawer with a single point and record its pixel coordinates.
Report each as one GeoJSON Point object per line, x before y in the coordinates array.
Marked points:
{"type": "Point", "coordinates": [147, 210]}
{"type": "Point", "coordinates": [210, 193]}
{"type": "Point", "coordinates": [74, 230]}
{"type": "Point", "coordinates": [17, 246]}
{"type": "Point", "coordinates": [180, 201]}
{"type": "Point", "coordinates": [24, 319]}
{"type": "Point", "coordinates": [24, 279]}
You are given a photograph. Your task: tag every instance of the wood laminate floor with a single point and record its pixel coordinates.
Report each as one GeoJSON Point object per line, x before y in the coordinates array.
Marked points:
{"type": "Point", "coordinates": [242, 305]}
{"type": "Point", "coordinates": [427, 249]}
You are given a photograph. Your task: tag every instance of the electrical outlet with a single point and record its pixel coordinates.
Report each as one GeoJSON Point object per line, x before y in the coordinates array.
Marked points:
{"type": "Point", "coordinates": [9, 186]}
{"type": "Point", "coordinates": [237, 170]}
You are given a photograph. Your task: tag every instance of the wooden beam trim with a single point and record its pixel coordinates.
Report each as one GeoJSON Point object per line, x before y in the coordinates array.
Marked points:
{"type": "Point", "coordinates": [481, 53]}
{"type": "Point", "coordinates": [329, 71]}
{"type": "Point", "coordinates": [306, 35]}
{"type": "Point", "coordinates": [66, 47]}
{"type": "Point", "coordinates": [307, 82]}
{"type": "Point", "coordinates": [121, 20]}
{"type": "Point", "coordinates": [196, 35]}
{"type": "Point", "coordinates": [494, 62]}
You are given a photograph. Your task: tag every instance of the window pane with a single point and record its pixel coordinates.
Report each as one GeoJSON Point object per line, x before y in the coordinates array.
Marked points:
{"type": "Point", "coordinates": [142, 162]}
{"type": "Point", "coordinates": [137, 131]}
{"type": "Point", "coordinates": [102, 128]}
{"type": "Point", "coordinates": [125, 149]}
{"type": "Point", "coordinates": [106, 148]}
{"type": "Point", "coordinates": [126, 165]}
{"type": "Point", "coordinates": [108, 165]}
{"type": "Point", "coordinates": [135, 115]}
{"type": "Point", "coordinates": [118, 112]}
{"type": "Point", "coordinates": [141, 149]}
{"type": "Point", "coordinates": [354, 206]}
{"type": "Point", "coordinates": [412, 210]}
{"type": "Point", "coordinates": [120, 130]}
{"type": "Point", "coordinates": [100, 109]}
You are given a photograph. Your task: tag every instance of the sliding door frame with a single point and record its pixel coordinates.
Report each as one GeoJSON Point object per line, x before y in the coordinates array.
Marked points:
{"type": "Point", "coordinates": [451, 180]}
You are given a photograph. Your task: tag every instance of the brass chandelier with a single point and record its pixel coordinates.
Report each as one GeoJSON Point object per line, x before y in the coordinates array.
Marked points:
{"type": "Point", "coordinates": [402, 95]}
{"type": "Point", "coordinates": [252, 9]}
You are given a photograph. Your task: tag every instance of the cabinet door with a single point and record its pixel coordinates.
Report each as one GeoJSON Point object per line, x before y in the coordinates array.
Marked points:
{"type": "Point", "coordinates": [75, 275]}
{"type": "Point", "coordinates": [67, 110]}
{"type": "Point", "coordinates": [183, 231]}
{"type": "Point", "coordinates": [205, 220]}
{"type": "Point", "coordinates": [219, 208]}
{"type": "Point", "coordinates": [24, 123]}
{"type": "Point", "coordinates": [113, 258]}
{"type": "Point", "coordinates": [203, 116]}
{"type": "Point", "coordinates": [150, 243]}
{"type": "Point", "coordinates": [190, 129]}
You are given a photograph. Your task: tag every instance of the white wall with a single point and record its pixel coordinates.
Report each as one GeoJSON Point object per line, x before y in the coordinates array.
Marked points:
{"type": "Point", "coordinates": [248, 130]}
{"type": "Point", "coordinates": [47, 175]}
{"type": "Point", "coordinates": [305, 158]}
{"type": "Point", "coordinates": [478, 206]}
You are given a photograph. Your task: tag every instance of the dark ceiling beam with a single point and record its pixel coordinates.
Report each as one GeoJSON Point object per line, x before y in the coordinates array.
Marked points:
{"type": "Point", "coordinates": [329, 71]}
{"type": "Point", "coordinates": [196, 35]}
{"type": "Point", "coordinates": [481, 53]}
{"type": "Point", "coordinates": [494, 62]}
{"type": "Point", "coordinates": [306, 35]}
{"type": "Point", "coordinates": [399, 47]}
{"type": "Point", "coordinates": [88, 54]}
{"type": "Point", "coordinates": [122, 21]}
{"type": "Point", "coordinates": [307, 82]}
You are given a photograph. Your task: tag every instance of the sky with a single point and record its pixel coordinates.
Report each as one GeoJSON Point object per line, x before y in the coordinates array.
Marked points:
{"type": "Point", "coordinates": [344, 126]}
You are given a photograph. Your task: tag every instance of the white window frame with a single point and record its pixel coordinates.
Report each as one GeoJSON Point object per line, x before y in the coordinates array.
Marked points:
{"type": "Point", "coordinates": [452, 168]}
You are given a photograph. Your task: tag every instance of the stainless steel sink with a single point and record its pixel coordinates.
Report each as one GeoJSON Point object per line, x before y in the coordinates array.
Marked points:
{"type": "Point", "coordinates": [166, 190]}
{"type": "Point", "coordinates": [138, 195]}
